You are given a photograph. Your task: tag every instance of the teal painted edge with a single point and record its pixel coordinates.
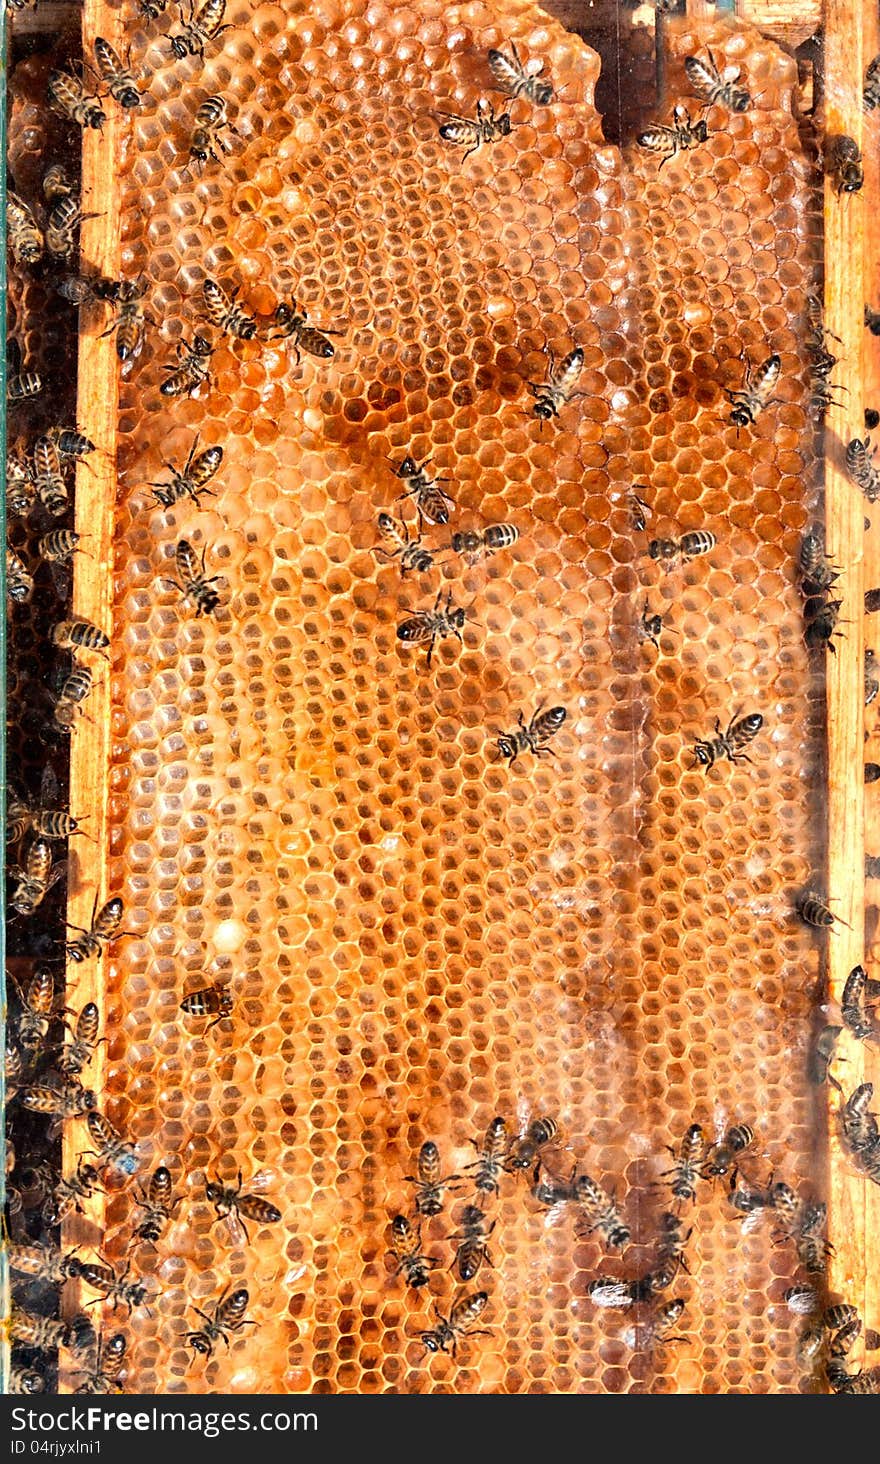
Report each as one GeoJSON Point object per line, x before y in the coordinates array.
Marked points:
{"type": "Point", "coordinates": [4, 1264]}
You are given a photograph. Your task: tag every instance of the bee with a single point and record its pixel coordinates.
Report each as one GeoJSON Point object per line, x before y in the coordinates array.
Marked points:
{"type": "Point", "coordinates": [557, 388]}
{"type": "Point", "coordinates": [57, 184]}
{"type": "Point", "coordinates": [821, 625]}
{"type": "Point", "coordinates": [195, 586]}
{"type": "Point", "coordinates": [409, 551]}
{"type": "Point", "coordinates": [67, 96]}
{"type": "Point", "coordinates": [871, 89]}
{"type": "Point", "coordinates": [822, 1056]}
{"type": "Point", "coordinates": [755, 393]}
{"type": "Point", "coordinates": [38, 1010]}
{"type": "Point", "coordinates": [472, 132]}
{"type": "Point", "coordinates": [46, 1334]}
{"type": "Point", "coordinates": [853, 1008]}
{"type": "Point", "coordinates": [210, 121]}
{"type": "Point", "coordinates": [61, 226]}
{"type": "Point", "coordinates": [475, 545]}
{"type": "Point", "coordinates": [512, 77]}
{"type": "Point", "coordinates": [602, 1212]}
{"type": "Point", "coordinates": [534, 736]}
{"type": "Point", "coordinates": [872, 772]}
{"type": "Point", "coordinates": [211, 1001]}
{"type": "Point", "coordinates": [667, 1317]}
{"type": "Point", "coordinates": [230, 1204]}
{"type": "Point", "coordinates": [36, 879]}
{"type": "Point", "coordinates": [811, 1342]}
{"type": "Point", "coordinates": [204, 25]}
{"type": "Point", "coordinates": [70, 1100]}
{"type": "Point", "coordinates": [192, 370]}
{"type": "Point", "coordinates": [845, 1321]}
{"type": "Point", "coordinates": [785, 1203]}
{"type": "Point", "coordinates": [68, 1192]}
{"type": "Point", "coordinates": [113, 1151]}
{"type": "Point", "coordinates": [860, 1128]}
{"type": "Point", "coordinates": [608, 1292]}
{"type": "Point", "coordinates": [872, 601]}
{"type": "Point", "coordinates": [450, 1330]}
{"type": "Point", "coordinates": [861, 467]}
{"type": "Point", "coordinates": [872, 685]}
{"type": "Point", "coordinates": [71, 443]}
{"type": "Point", "coordinates": [872, 320]}
{"type": "Point", "coordinates": [19, 817]}
{"type": "Point", "coordinates": [427, 625]}
{"type": "Point", "coordinates": [639, 510]}
{"type": "Point", "coordinates": [25, 1381]}
{"type": "Point", "coordinates": [25, 237]}
{"type": "Point", "coordinates": [226, 314]}
{"type": "Point", "coordinates": [119, 80]}
{"type": "Point", "coordinates": [72, 635]}
{"type": "Point", "coordinates": [74, 690]}
{"type": "Point", "coordinates": [20, 490]}
{"type": "Point", "coordinates": [857, 1384]}
{"type": "Point", "coordinates": [730, 744]}
{"type": "Point", "coordinates": [23, 386]}
{"type": "Point", "coordinates": [158, 1205]}
{"type": "Point", "coordinates": [48, 477]}
{"type": "Point", "coordinates": [406, 1245]}
{"type": "Point", "coordinates": [670, 141]}
{"type": "Point", "coordinates": [228, 1316]}
{"type": "Point", "coordinates": [801, 1299]}
{"type": "Point", "coordinates": [552, 1192]}
{"type": "Point", "coordinates": [130, 323]}
{"type": "Point", "coordinates": [44, 1263]}
{"type": "Point", "coordinates": [650, 626]}
{"type": "Point", "coordinates": [688, 1164]}
{"type": "Point", "coordinates": [698, 541]}
{"type": "Point", "coordinates": [813, 911]}
{"type": "Point", "coordinates": [19, 582]}
{"type": "Point", "coordinates": [431, 501]}
{"type": "Point", "coordinates": [473, 1238]}
{"type": "Point", "coordinates": [104, 1375]}
{"type": "Point", "coordinates": [293, 324]}
{"type": "Point", "coordinates": [843, 164]}
{"type": "Point", "coordinates": [78, 289]}
{"type": "Point", "coordinates": [115, 1287]}
{"type": "Point", "coordinates": [817, 572]}
{"type": "Point", "coordinates": [491, 1156]}
{"type": "Point", "coordinates": [429, 1182]}
{"type": "Point", "coordinates": [58, 545]}
{"type": "Point", "coordinates": [722, 1156]}
{"type": "Point", "coordinates": [103, 929]}
{"type": "Point", "coordinates": [672, 1243]}
{"type": "Point", "coordinates": [524, 1150]}
{"type": "Point", "coordinates": [717, 87]}
{"type": "Point", "coordinates": [81, 1049]}
{"type": "Point", "coordinates": [152, 9]}
{"type": "Point", "coordinates": [812, 1254]}
{"type": "Point", "coordinates": [13, 1067]}
{"type": "Point", "coordinates": [191, 480]}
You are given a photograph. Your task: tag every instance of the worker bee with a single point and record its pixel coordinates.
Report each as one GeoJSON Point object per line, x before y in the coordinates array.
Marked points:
{"type": "Point", "coordinates": [57, 184]}
{"type": "Point", "coordinates": [551, 1192]}
{"type": "Point", "coordinates": [682, 135]}
{"type": "Point", "coordinates": [152, 9]}
{"type": "Point", "coordinates": [61, 226]}
{"type": "Point", "coordinates": [663, 1322]}
{"type": "Point", "coordinates": [534, 736]}
{"type": "Point", "coordinates": [84, 1040]}
{"type": "Point", "coordinates": [119, 80]}
{"type": "Point", "coordinates": [104, 928]}
{"type": "Point", "coordinates": [48, 477]}
{"type": "Point", "coordinates": [36, 879]}
{"type": "Point", "coordinates": [37, 1011]}
{"type": "Point", "coordinates": [429, 1181]}
{"type": "Point", "coordinates": [406, 1245]}
{"type": "Point", "coordinates": [19, 580]}
{"type": "Point", "coordinates": [112, 1151]}
{"type": "Point", "coordinates": [871, 89]}
{"type": "Point", "coordinates": [44, 1263]}
{"type": "Point", "coordinates": [58, 545]}
{"type": "Point", "coordinates": [801, 1299]}
{"type": "Point", "coordinates": [210, 1001]}
{"type": "Point", "coordinates": [86, 289]}
{"type": "Point", "coordinates": [23, 386]}
{"type": "Point", "coordinates": [860, 1128]}
{"type": "Point", "coordinates": [158, 1205]}
{"type": "Point", "coordinates": [491, 1156]}
{"type": "Point", "coordinates": [717, 87]}
{"type": "Point", "coordinates": [821, 623]}
{"type": "Point", "coordinates": [557, 388]}
{"type": "Point", "coordinates": [74, 690]}
{"type": "Point", "coordinates": [71, 443]}
{"type": "Point", "coordinates": [226, 314]}
{"type": "Point", "coordinates": [129, 327]}
{"type": "Point", "coordinates": [25, 237]}
{"type": "Point", "coordinates": [192, 370]}
{"type": "Point", "coordinates": [116, 1288]}
{"type": "Point", "coordinates": [231, 1205]}
{"type": "Point", "coordinates": [191, 480]}
{"type": "Point", "coordinates": [62, 1100]}
{"type": "Point", "coordinates": [210, 121]}
{"type": "Point", "coordinates": [67, 1193]}
{"type": "Point", "coordinates": [730, 744]}
{"type": "Point", "coordinates": [25, 1381]}
{"type": "Point", "coordinates": [872, 772]}
{"type": "Point", "coordinates": [816, 569]}
{"type": "Point", "coordinates": [843, 164]}
{"type": "Point", "coordinates": [194, 584]}
{"type": "Point", "coordinates": [20, 489]}
{"type": "Point", "coordinates": [822, 1056]}
{"type": "Point", "coordinates": [811, 1342]}
{"type": "Point", "coordinates": [524, 1150]}
{"type": "Point", "coordinates": [872, 320]}
{"type": "Point", "coordinates": [475, 545]}
{"type": "Point", "coordinates": [602, 1213]}
{"type": "Point", "coordinates": [698, 541]}
{"type": "Point", "coordinates": [853, 1007]}
{"type": "Point", "coordinates": [408, 551]}
{"type": "Point", "coordinates": [228, 1316]}
{"type": "Point", "coordinates": [19, 816]}
{"type": "Point", "coordinates": [688, 1164]}
{"type": "Point", "coordinates": [204, 25]}
{"type": "Point", "coordinates": [67, 96]}
{"type": "Point", "coordinates": [46, 1334]}
{"type": "Point", "coordinates": [294, 325]}
{"type": "Point", "coordinates": [755, 393]}
{"type": "Point", "coordinates": [861, 467]}
{"type": "Point", "coordinates": [473, 1238]}
{"type": "Point", "coordinates": [608, 1292]}
{"type": "Point", "coordinates": [106, 1367]}
{"type": "Point", "coordinates": [472, 132]}
{"type": "Point", "coordinates": [723, 1155]}
{"type": "Point", "coordinates": [748, 1199]}
{"type": "Point", "coordinates": [863, 1383]}
{"type": "Point", "coordinates": [459, 1324]}
{"type": "Point", "coordinates": [650, 626]}
{"type": "Point", "coordinates": [640, 511]}
{"type": "Point", "coordinates": [427, 625]}
{"type": "Point", "coordinates": [431, 501]}
{"type": "Point", "coordinates": [512, 77]}
{"type": "Point", "coordinates": [813, 911]}
{"type": "Point", "coordinates": [872, 685]}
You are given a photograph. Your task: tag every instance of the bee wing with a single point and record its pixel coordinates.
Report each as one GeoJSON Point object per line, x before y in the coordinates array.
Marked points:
{"type": "Point", "coordinates": [679, 114]}
{"type": "Point", "coordinates": [699, 74]}
{"type": "Point", "coordinates": [50, 790]}
{"type": "Point", "coordinates": [235, 1228]}
{"type": "Point", "coordinates": [504, 69]}
{"type": "Point", "coordinates": [768, 374]}
{"type": "Point", "coordinates": [263, 1181]}
{"type": "Point", "coordinates": [730, 74]}
{"type": "Point", "coordinates": [59, 871]}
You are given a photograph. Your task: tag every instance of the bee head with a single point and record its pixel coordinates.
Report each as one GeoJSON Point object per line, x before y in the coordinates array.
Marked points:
{"type": "Point", "coordinates": [130, 97]}
{"type": "Point", "coordinates": [95, 118]}
{"type": "Point", "coordinates": [740, 100]}
{"type": "Point", "coordinates": [543, 410]}
{"type": "Point", "coordinates": [701, 131]}
{"type": "Point", "coordinates": [178, 48]}
{"type": "Point", "coordinates": [702, 754]}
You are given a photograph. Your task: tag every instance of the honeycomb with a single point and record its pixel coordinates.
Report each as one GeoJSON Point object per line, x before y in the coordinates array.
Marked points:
{"type": "Point", "coordinates": [417, 935]}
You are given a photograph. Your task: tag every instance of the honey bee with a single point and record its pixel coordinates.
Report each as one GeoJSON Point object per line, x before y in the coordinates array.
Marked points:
{"type": "Point", "coordinates": [843, 164]}
{"type": "Point", "coordinates": [551, 1192]}
{"type": "Point", "coordinates": [723, 1156]}
{"type": "Point", "coordinates": [19, 817]}
{"type": "Point", "coordinates": [36, 879]}
{"type": "Point", "coordinates": [211, 1001]}
{"type": "Point", "coordinates": [817, 572]}
{"type": "Point", "coordinates": [491, 1156]}
{"type": "Point", "coordinates": [20, 490]}
{"type": "Point", "coordinates": [431, 501]}
{"type": "Point", "coordinates": [113, 1151]}
{"type": "Point", "coordinates": [194, 584]}
{"type": "Point", "coordinates": [872, 685]}
{"type": "Point", "coordinates": [861, 467]}
{"type": "Point", "coordinates": [821, 625]}
{"type": "Point", "coordinates": [802, 1299]}
{"type": "Point", "coordinates": [191, 480]}
{"type": "Point", "coordinates": [872, 772]}
{"type": "Point", "coordinates": [61, 226]}
{"type": "Point", "coordinates": [472, 132]}
{"type": "Point", "coordinates": [473, 1238]}
{"type": "Point", "coordinates": [67, 97]}
{"type": "Point", "coordinates": [450, 1330]}
{"type": "Point", "coordinates": [671, 1251]}
{"type": "Point", "coordinates": [192, 370]}
{"type": "Point", "coordinates": [107, 1365]}
{"type": "Point", "coordinates": [811, 1342]}
{"type": "Point", "coordinates": [69, 1191]}
{"type": "Point", "coordinates": [74, 690]}
{"type": "Point", "coordinates": [210, 121]}
{"type": "Point", "coordinates": [68, 1100]}
{"type": "Point", "coordinates": [534, 736]}
{"type": "Point", "coordinates": [650, 626]}
{"type": "Point", "coordinates": [822, 1056]}
{"type": "Point", "coordinates": [813, 911]}
{"type": "Point", "coordinates": [428, 625]}
{"type": "Point", "coordinates": [23, 386]}
{"type": "Point", "coordinates": [853, 1007]}
{"type": "Point", "coordinates": [871, 90]}
{"type": "Point", "coordinates": [557, 388]}
{"type": "Point", "coordinates": [639, 510]}
{"type": "Point", "coordinates": [406, 1245]}
{"type": "Point", "coordinates": [698, 541]}
{"type": "Point", "coordinates": [57, 184]}
{"type": "Point", "coordinates": [158, 1204]}
{"type": "Point", "coordinates": [19, 581]}
{"type": "Point", "coordinates": [863, 1383]}
{"type": "Point", "coordinates": [860, 1129]}
{"type": "Point", "coordinates": [294, 325]}
{"type": "Point", "coordinates": [688, 1164]}
{"type": "Point", "coordinates": [204, 25]}
{"type": "Point", "coordinates": [231, 1205]}
{"type": "Point", "coordinates": [115, 1286]}
{"type": "Point", "coordinates": [119, 80]}
{"type": "Point", "coordinates": [44, 1263]}
{"type": "Point", "coordinates": [25, 1381]}
{"type": "Point", "coordinates": [38, 1010]}
{"type": "Point", "coordinates": [48, 477]}
{"type": "Point", "coordinates": [729, 744]}
{"type": "Point", "coordinates": [429, 1181]}
{"type": "Point", "coordinates": [228, 1316]}
{"type": "Point", "coordinates": [872, 320]}
{"type": "Point", "coordinates": [129, 327]}
{"type": "Point", "coordinates": [717, 87]}
{"type": "Point", "coordinates": [682, 135]}
{"type": "Point", "coordinates": [608, 1292]}
{"type": "Point", "coordinates": [749, 1200]}
{"type": "Point", "coordinates": [84, 1040]}
{"type": "Point", "coordinates": [46, 1334]}
{"type": "Point", "coordinates": [80, 289]}
{"type": "Point", "coordinates": [25, 237]}
{"type": "Point", "coordinates": [756, 392]}
{"type": "Point", "coordinates": [408, 551]}
{"type": "Point", "coordinates": [872, 601]}
{"type": "Point", "coordinates": [602, 1213]}
{"type": "Point", "coordinates": [58, 545]}
{"type": "Point", "coordinates": [524, 1151]}
{"type": "Point", "coordinates": [226, 314]}
{"type": "Point", "coordinates": [103, 929]}
{"type": "Point", "coordinates": [475, 545]}
{"type": "Point", "coordinates": [71, 443]}
{"type": "Point", "coordinates": [664, 1320]}
{"type": "Point", "coordinates": [512, 77]}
